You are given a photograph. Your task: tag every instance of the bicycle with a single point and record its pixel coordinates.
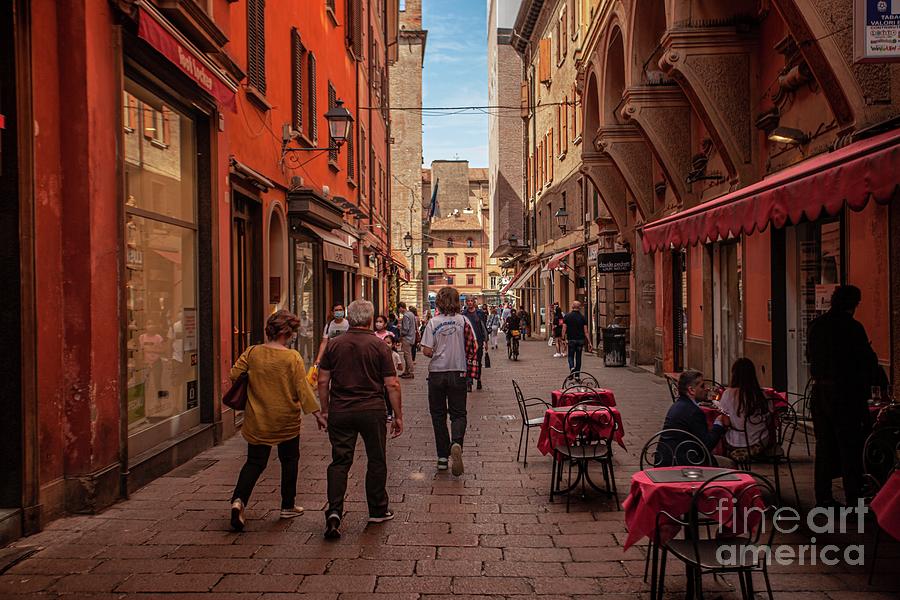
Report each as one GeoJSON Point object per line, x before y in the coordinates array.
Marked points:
{"type": "Point", "coordinates": [512, 345]}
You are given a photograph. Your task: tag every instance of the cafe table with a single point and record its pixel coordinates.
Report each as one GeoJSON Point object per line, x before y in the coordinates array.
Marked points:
{"type": "Point", "coordinates": [578, 394]}
{"type": "Point", "coordinates": [552, 429]}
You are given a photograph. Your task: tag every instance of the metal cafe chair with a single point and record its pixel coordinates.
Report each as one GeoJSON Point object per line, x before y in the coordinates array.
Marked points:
{"type": "Point", "coordinates": [528, 422]}
{"type": "Point", "coordinates": [663, 449]}
{"type": "Point", "coordinates": [802, 412]}
{"type": "Point", "coordinates": [584, 444]}
{"type": "Point", "coordinates": [580, 379]}
{"type": "Point", "coordinates": [753, 509]}
{"type": "Point", "coordinates": [781, 424]}
{"type": "Point", "coordinates": [673, 388]}
{"type": "Point", "coordinates": [880, 460]}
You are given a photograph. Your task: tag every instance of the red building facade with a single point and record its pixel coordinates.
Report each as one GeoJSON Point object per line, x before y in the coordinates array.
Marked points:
{"type": "Point", "coordinates": [174, 182]}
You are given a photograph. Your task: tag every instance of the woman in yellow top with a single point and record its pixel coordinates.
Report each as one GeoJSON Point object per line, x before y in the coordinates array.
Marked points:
{"type": "Point", "coordinates": [277, 394]}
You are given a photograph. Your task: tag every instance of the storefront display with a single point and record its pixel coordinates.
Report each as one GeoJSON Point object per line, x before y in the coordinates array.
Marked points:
{"type": "Point", "coordinates": [304, 299]}
{"type": "Point", "coordinates": [160, 269]}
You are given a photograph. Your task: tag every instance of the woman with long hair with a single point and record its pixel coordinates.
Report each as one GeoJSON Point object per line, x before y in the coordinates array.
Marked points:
{"type": "Point", "coordinates": [748, 408]}
{"type": "Point", "coordinates": [561, 346]}
{"type": "Point", "coordinates": [277, 395]}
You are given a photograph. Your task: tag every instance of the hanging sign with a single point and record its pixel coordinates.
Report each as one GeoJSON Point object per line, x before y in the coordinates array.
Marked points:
{"type": "Point", "coordinates": [876, 31]}
{"type": "Point", "coordinates": [337, 254]}
{"type": "Point", "coordinates": [614, 262]}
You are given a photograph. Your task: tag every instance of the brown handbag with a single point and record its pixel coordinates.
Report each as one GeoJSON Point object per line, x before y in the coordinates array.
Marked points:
{"type": "Point", "coordinates": [236, 396]}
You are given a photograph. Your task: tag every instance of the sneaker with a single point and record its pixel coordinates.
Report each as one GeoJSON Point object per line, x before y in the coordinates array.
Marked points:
{"type": "Point", "coordinates": [556, 355]}
{"type": "Point", "coordinates": [290, 513]}
{"type": "Point", "coordinates": [332, 526]}
{"type": "Point", "coordinates": [479, 385]}
{"type": "Point", "coordinates": [387, 516]}
{"type": "Point", "coordinates": [237, 515]}
{"type": "Point", "coordinates": [456, 456]}
{"type": "Point", "coordinates": [468, 386]}
{"type": "Point", "coordinates": [390, 418]}
{"type": "Point", "coordinates": [443, 464]}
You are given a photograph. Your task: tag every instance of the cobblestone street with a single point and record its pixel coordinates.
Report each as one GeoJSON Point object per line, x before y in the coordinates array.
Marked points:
{"type": "Point", "coordinates": [491, 533]}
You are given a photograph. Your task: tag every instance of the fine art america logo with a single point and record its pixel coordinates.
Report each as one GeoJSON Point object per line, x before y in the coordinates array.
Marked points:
{"type": "Point", "coordinates": [787, 520]}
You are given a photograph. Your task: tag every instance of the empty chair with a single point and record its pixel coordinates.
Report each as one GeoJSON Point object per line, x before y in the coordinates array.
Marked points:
{"type": "Point", "coordinates": [528, 421]}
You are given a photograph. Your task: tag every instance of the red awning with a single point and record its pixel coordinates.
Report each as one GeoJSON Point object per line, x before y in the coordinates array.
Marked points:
{"type": "Point", "coordinates": [556, 259]}
{"type": "Point", "coordinates": [402, 265]}
{"type": "Point", "coordinates": [852, 174]}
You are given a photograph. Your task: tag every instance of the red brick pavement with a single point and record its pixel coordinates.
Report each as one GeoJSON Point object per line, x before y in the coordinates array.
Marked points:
{"type": "Point", "coordinates": [489, 534]}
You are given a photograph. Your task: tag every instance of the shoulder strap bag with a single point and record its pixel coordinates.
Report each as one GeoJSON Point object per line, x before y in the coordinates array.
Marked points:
{"type": "Point", "coordinates": [236, 396]}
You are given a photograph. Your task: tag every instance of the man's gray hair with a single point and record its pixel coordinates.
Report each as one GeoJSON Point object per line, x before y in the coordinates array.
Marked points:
{"type": "Point", "coordinates": [360, 313]}
{"type": "Point", "coordinates": [688, 379]}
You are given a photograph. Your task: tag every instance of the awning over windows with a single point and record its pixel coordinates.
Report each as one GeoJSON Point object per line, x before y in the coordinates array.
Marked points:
{"type": "Point", "coordinates": [337, 238]}
{"type": "Point", "coordinates": [852, 175]}
{"type": "Point", "coordinates": [520, 279]}
{"type": "Point", "coordinates": [402, 265]}
{"type": "Point", "coordinates": [557, 259]}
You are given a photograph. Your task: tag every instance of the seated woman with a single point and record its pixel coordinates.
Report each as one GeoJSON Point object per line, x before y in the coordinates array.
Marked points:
{"type": "Point", "coordinates": [749, 410]}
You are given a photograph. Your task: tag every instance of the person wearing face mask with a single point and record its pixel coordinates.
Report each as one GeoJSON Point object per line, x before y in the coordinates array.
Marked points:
{"type": "Point", "coordinates": [335, 327]}
{"type": "Point", "coordinates": [381, 330]}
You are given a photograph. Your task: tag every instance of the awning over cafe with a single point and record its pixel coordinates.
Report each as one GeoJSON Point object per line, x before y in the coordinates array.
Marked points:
{"type": "Point", "coordinates": [522, 279]}
{"type": "Point", "coordinates": [402, 265]}
{"type": "Point", "coordinates": [556, 260]}
{"type": "Point", "coordinates": [863, 170]}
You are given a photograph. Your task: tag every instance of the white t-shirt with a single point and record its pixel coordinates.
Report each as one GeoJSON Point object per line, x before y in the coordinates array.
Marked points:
{"type": "Point", "coordinates": [446, 336]}
{"type": "Point", "coordinates": [757, 432]}
{"type": "Point", "coordinates": [334, 329]}
{"type": "Point", "coordinates": [398, 363]}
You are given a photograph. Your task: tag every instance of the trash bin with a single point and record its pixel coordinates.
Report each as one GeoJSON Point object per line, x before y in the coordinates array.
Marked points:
{"type": "Point", "coordinates": [614, 346]}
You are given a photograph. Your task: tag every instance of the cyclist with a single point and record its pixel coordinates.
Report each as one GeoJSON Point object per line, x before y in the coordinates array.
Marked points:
{"type": "Point", "coordinates": [513, 323]}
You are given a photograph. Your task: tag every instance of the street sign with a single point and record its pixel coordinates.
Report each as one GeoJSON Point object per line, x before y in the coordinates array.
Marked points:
{"type": "Point", "coordinates": [876, 31]}
{"type": "Point", "coordinates": [614, 262]}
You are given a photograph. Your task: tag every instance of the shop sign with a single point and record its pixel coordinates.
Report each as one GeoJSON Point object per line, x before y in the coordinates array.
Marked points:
{"type": "Point", "coordinates": [188, 61]}
{"type": "Point", "coordinates": [337, 254]}
{"type": "Point", "coordinates": [189, 329]}
{"type": "Point", "coordinates": [193, 401]}
{"type": "Point", "coordinates": [614, 262]}
{"type": "Point", "coordinates": [593, 252]}
{"type": "Point", "coordinates": [876, 31]}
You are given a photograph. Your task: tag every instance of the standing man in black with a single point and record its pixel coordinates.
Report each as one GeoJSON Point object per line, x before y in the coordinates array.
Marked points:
{"type": "Point", "coordinates": [478, 321]}
{"type": "Point", "coordinates": [575, 332]}
{"type": "Point", "coordinates": [843, 366]}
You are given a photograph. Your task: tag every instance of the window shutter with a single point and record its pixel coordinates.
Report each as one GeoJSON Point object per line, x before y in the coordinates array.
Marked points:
{"type": "Point", "coordinates": [166, 132]}
{"type": "Point", "coordinates": [354, 25]}
{"type": "Point", "coordinates": [296, 81]}
{"type": "Point", "coordinates": [564, 135]}
{"type": "Point", "coordinates": [332, 97]}
{"type": "Point", "coordinates": [313, 96]}
{"type": "Point", "coordinates": [544, 60]}
{"type": "Point", "coordinates": [550, 159]}
{"type": "Point", "coordinates": [351, 167]}
{"type": "Point", "coordinates": [523, 100]}
{"type": "Point", "coordinates": [256, 44]}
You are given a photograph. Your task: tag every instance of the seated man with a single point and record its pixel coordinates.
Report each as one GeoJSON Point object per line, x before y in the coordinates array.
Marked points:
{"type": "Point", "coordinates": [685, 414]}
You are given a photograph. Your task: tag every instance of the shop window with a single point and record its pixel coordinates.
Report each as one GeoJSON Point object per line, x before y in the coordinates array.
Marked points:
{"type": "Point", "coordinates": [430, 262]}
{"type": "Point", "coordinates": [161, 319]}
{"type": "Point", "coordinates": [303, 301]}
{"type": "Point", "coordinates": [256, 44]}
{"type": "Point", "coordinates": [470, 280]}
{"type": "Point", "coordinates": [450, 261]}
{"type": "Point", "coordinates": [470, 262]}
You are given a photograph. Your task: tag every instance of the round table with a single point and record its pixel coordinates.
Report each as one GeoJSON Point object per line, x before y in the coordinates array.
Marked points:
{"type": "Point", "coordinates": [576, 395]}
{"type": "Point", "coordinates": [554, 423]}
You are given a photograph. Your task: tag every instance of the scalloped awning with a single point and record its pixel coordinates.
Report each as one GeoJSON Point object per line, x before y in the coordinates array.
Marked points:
{"type": "Point", "coordinates": [854, 174]}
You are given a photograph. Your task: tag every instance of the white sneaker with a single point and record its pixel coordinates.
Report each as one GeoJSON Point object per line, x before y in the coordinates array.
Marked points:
{"type": "Point", "coordinates": [290, 513]}
{"type": "Point", "coordinates": [556, 355]}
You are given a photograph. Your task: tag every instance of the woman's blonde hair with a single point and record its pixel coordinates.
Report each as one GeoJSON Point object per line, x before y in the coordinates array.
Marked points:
{"type": "Point", "coordinates": [447, 301]}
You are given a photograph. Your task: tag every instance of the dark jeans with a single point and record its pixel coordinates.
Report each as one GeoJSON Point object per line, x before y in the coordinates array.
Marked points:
{"type": "Point", "coordinates": [840, 436]}
{"type": "Point", "coordinates": [343, 430]}
{"type": "Point", "coordinates": [576, 348]}
{"type": "Point", "coordinates": [257, 458]}
{"type": "Point", "coordinates": [447, 393]}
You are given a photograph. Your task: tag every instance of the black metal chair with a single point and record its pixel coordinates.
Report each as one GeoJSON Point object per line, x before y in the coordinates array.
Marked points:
{"type": "Point", "coordinates": [670, 448]}
{"type": "Point", "coordinates": [580, 379]}
{"type": "Point", "coordinates": [774, 452]}
{"type": "Point", "coordinates": [584, 444]}
{"type": "Point", "coordinates": [801, 407]}
{"type": "Point", "coordinates": [752, 510]}
{"type": "Point", "coordinates": [881, 457]}
{"type": "Point", "coordinates": [528, 422]}
{"type": "Point", "coordinates": [673, 388]}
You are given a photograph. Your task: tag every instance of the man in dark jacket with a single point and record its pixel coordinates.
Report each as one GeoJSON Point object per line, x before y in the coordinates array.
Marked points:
{"type": "Point", "coordinates": [685, 414]}
{"type": "Point", "coordinates": [478, 321]}
{"type": "Point", "coordinates": [843, 367]}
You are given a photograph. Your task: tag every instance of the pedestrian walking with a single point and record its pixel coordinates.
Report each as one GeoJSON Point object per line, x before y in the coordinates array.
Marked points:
{"type": "Point", "coordinates": [277, 394]}
{"type": "Point", "coordinates": [415, 346]}
{"type": "Point", "coordinates": [391, 343]}
{"type": "Point", "coordinates": [575, 333]}
{"type": "Point", "coordinates": [478, 321]}
{"type": "Point", "coordinates": [843, 367]}
{"type": "Point", "coordinates": [354, 375]}
{"type": "Point", "coordinates": [526, 322]}
{"type": "Point", "coordinates": [305, 337]}
{"type": "Point", "coordinates": [336, 326]}
{"type": "Point", "coordinates": [449, 341]}
{"type": "Point", "coordinates": [558, 320]}
{"type": "Point", "coordinates": [407, 326]}
{"type": "Point", "coordinates": [493, 328]}
{"type": "Point", "coordinates": [504, 314]}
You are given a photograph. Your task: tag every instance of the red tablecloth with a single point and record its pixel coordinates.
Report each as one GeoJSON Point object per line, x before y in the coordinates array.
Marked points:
{"type": "Point", "coordinates": [555, 419]}
{"type": "Point", "coordinates": [779, 398]}
{"type": "Point", "coordinates": [886, 506]}
{"type": "Point", "coordinates": [600, 396]}
{"type": "Point", "coordinates": [647, 498]}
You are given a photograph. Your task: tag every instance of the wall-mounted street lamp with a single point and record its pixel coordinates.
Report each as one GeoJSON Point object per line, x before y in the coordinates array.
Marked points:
{"type": "Point", "coordinates": [788, 135]}
{"type": "Point", "coordinates": [562, 219]}
{"type": "Point", "coordinates": [407, 241]}
{"type": "Point", "coordinates": [339, 120]}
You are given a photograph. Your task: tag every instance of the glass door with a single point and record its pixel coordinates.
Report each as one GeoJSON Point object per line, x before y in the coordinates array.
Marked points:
{"type": "Point", "coordinates": [246, 275]}
{"type": "Point", "coordinates": [728, 315]}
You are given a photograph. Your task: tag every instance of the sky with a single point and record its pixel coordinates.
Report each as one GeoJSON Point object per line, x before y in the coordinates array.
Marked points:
{"type": "Point", "coordinates": [455, 75]}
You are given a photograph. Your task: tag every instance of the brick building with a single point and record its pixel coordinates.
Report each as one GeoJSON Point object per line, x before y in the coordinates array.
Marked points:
{"type": "Point", "coordinates": [406, 148]}
{"type": "Point", "coordinates": [198, 200]}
